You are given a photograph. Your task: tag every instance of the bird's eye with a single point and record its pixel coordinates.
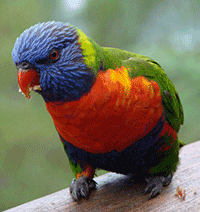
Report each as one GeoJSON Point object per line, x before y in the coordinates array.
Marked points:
{"type": "Point", "coordinates": [54, 55]}
{"type": "Point", "coordinates": [25, 65]}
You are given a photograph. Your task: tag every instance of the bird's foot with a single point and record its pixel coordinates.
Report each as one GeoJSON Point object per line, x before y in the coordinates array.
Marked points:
{"type": "Point", "coordinates": [155, 184]}
{"type": "Point", "coordinates": [81, 187]}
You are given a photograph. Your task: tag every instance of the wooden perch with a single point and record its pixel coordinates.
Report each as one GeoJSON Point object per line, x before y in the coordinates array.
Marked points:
{"type": "Point", "coordinates": [119, 193]}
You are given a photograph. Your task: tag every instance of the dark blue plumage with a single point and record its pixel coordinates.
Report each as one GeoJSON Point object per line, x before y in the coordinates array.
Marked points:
{"type": "Point", "coordinates": [64, 79]}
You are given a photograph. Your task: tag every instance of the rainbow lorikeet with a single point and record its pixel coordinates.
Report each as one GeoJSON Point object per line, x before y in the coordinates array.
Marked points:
{"type": "Point", "coordinates": [113, 109]}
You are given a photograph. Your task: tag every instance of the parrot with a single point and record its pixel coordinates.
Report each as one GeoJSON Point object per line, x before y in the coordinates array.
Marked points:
{"type": "Point", "coordinates": [113, 109]}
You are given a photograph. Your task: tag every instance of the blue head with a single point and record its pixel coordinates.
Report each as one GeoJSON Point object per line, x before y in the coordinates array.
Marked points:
{"type": "Point", "coordinates": [52, 49]}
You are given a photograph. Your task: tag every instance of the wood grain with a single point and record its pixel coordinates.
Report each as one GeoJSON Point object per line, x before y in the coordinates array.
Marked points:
{"type": "Point", "coordinates": [119, 193]}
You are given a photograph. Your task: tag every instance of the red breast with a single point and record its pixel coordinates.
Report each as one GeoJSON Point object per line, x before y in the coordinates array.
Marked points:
{"type": "Point", "coordinates": [115, 113]}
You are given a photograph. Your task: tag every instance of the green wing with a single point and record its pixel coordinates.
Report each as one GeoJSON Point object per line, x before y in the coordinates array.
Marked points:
{"type": "Point", "coordinates": [143, 66]}
{"type": "Point", "coordinates": [153, 71]}
{"type": "Point", "coordinates": [139, 65]}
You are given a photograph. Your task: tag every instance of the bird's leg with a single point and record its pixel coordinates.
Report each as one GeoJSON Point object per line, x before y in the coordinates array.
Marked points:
{"type": "Point", "coordinates": [155, 184]}
{"type": "Point", "coordinates": [84, 184]}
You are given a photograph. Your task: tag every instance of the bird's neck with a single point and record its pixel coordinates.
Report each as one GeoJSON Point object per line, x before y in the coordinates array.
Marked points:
{"type": "Point", "coordinates": [96, 56]}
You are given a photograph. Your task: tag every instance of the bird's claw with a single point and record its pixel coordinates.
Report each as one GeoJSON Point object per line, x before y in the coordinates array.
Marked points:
{"type": "Point", "coordinates": [81, 188]}
{"type": "Point", "coordinates": [155, 185]}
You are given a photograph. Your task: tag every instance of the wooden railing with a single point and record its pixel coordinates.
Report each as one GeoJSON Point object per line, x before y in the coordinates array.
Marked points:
{"type": "Point", "coordinates": [119, 193]}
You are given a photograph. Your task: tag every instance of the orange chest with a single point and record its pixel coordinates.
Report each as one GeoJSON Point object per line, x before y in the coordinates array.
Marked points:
{"type": "Point", "coordinates": [111, 116]}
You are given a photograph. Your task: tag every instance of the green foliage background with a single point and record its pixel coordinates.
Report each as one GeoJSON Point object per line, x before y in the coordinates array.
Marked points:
{"type": "Point", "coordinates": [32, 160]}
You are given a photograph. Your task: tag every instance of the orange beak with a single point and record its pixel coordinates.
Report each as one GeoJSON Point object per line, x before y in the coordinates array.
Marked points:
{"type": "Point", "coordinates": [28, 80]}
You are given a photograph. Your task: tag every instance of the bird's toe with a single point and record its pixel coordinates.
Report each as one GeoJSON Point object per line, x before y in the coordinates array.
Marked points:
{"type": "Point", "coordinates": [155, 185]}
{"type": "Point", "coordinates": [81, 188]}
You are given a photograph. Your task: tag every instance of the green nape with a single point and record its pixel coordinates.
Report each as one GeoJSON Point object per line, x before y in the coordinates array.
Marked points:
{"type": "Point", "coordinates": [94, 54]}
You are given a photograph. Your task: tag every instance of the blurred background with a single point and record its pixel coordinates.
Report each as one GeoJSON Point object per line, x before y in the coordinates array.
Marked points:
{"type": "Point", "coordinates": [32, 160]}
